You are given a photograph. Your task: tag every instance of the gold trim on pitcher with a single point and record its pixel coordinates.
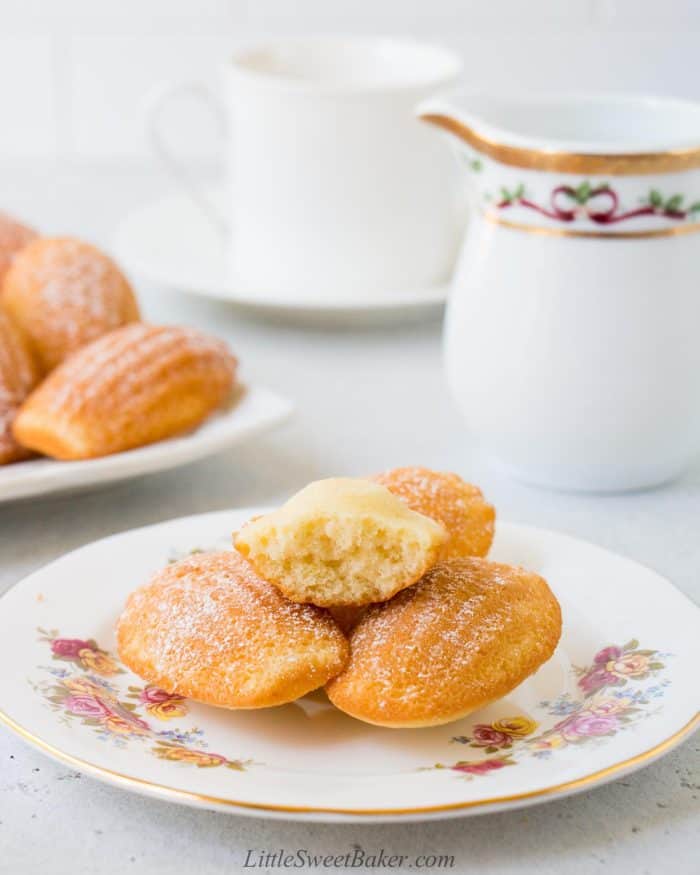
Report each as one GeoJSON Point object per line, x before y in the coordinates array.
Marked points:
{"type": "Point", "coordinates": [623, 164]}
{"type": "Point", "coordinates": [547, 231]}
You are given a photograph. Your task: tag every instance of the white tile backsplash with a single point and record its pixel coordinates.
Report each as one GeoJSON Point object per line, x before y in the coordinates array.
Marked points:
{"type": "Point", "coordinates": [73, 75]}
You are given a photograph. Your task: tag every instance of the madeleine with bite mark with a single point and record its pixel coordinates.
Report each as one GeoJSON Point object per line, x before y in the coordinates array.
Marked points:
{"type": "Point", "coordinates": [341, 542]}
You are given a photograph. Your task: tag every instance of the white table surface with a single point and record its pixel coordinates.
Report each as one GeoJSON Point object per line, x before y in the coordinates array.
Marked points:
{"type": "Point", "coordinates": [366, 400]}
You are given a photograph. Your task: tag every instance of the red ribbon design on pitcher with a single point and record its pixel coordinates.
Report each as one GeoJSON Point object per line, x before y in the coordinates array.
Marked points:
{"type": "Point", "coordinates": [599, 204]}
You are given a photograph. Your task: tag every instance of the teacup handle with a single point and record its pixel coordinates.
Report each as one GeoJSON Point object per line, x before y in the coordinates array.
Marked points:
{"type": "Point", "coordinates": [156, 102]}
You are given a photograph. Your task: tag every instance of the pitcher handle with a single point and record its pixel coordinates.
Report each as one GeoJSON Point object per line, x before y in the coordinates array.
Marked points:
{"type": "Point", "coordinates": [156, 102]}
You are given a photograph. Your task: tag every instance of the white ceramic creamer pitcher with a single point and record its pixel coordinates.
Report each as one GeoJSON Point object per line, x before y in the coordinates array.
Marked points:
{"type": "Point", "coordinates": [573, 331]}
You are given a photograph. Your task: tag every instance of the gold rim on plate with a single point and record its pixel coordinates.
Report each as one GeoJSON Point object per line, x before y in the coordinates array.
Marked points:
{"type": "Point", "coordinates": [174, 793]}
{"type": "Point", "coordinates": [621, 164]}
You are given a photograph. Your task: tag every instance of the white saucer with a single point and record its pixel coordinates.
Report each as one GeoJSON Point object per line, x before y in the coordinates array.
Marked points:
{"type": "Point", "coordinates": [170, 243]}
{"type": "Point", "coordinates": [620, 691]}
{"type": "Point", "coordinates": [255, 412]}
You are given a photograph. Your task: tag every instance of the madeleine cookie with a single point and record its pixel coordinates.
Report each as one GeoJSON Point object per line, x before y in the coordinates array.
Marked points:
{"type": "Point", "coordinates": [459, 506]}
{"type": "Point", "coordinates": [208, 628]}
{"type": "Point", "coordinates": [64, 294]}
{"type": "Point", "coordinates": [134, 386]}
{"type": "Point", "coordinates": [467, 634]}
{"type": "Point", "coordinates": [18, 376]}
{"type": "Point", "coordinates": [13, 237]}
{"type": "Point", "coordinates": [341, 542]}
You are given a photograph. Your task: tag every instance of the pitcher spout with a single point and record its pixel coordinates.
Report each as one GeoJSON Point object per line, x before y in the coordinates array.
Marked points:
{"type": "Point", "coordinates": [577, 164]}
{"type": "Point", "coordinates": [443, 111]}
{"type": "Point", "coordinates": [573, 133]}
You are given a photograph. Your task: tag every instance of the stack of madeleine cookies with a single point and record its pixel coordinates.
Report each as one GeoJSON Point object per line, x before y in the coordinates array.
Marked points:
{"type": "Point", "coordinates": [376, 589]}
{"type": "Point", "coordinates": [80, 375]}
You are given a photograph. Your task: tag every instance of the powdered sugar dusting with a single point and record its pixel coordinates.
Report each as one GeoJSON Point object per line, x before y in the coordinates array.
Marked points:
{"type": "Point", "coordinates": [79, 281]}
{"type": "Point", "coordinates": [459, 506]}
{"type": "Point", "coordinates": [451, 640]}
{"type": "Point", "coordinates": [210, 619]}
{"type": "Point", "coordinates": [68, 293]}
{"type": "Point", "coordinates": [109, 393]}
{"type": "Point", "coordinates": [442, 637]}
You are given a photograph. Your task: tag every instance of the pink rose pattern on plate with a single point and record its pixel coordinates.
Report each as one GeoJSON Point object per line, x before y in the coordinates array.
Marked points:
{"type": "Point", "coordinates": [613, 696]}
{"type": "Point", "coordinates": [483, 767]}
{"type": "Point", "coordinates": [79, 688]}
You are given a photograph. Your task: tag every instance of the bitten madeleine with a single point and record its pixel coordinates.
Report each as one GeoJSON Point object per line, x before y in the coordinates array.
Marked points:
{"type": "Point", "coordinates": [134, 386]}
{"type": "Point", "coordinates": [459, 506]}
{"type": "Point", "coordinates": [13, 237]}
{"type": "Point", "coordinates": [341, 542]}
{"type": "Point", "coordinates": [207, 627]}
{"type": "Point", "coordinates": [64, 294]}
{"type": "Point", "coordinates": [465, 635]}
{"type": "Point", "coordinates": [18, 376]}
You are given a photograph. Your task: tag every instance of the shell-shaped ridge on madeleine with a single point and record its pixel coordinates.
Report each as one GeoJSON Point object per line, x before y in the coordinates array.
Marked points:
{"type": "Point", "coordinates": [134, 386]}
{"type": "Point", "coordinates": [460, 507]}
{"type": "Point", "coordinates": [208, 628]}
{"type": "Point", "coordinates": [467, 634]}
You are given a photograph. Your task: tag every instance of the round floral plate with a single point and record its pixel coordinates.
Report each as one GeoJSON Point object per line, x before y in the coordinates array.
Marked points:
{"type": "Point", "coordinates": [621, 690]}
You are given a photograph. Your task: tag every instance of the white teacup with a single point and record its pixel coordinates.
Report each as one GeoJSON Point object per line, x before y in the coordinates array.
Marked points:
{"type": "Point", "coordinates": [335, 188]}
